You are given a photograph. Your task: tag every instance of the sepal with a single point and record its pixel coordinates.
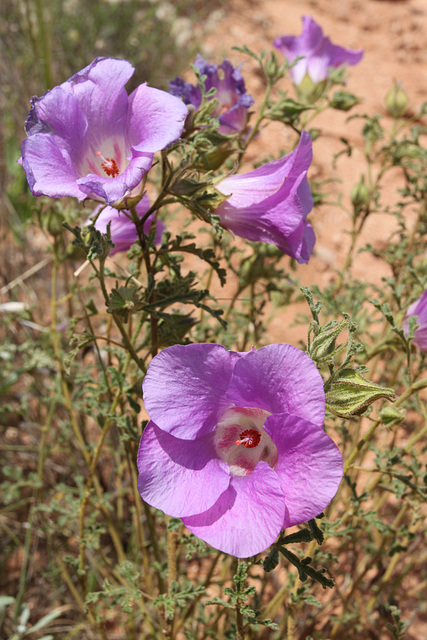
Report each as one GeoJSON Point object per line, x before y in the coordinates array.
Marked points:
{"type": "Point", "coordinates": [351, 394]}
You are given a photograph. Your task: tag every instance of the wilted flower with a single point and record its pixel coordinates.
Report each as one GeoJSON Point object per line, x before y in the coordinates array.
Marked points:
{"type": "Point", "coordinates": [233, 101]}
{"type": "Point", "coordinates": [318, 51]}
{"type": "Point", "coordinates": [271, 203]}
{"type": "Point", "coordinates": [88, 138]}
{"type": "Point", "coordinates": [122, 229]}
{"type": "Point", "coordinates": [419, 310]}
{"type": "Point", "coordinates": [235, 445]}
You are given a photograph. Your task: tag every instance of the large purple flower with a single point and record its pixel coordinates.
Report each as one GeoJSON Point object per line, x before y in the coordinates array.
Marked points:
{"type": "Point", "coordinates": [122, 229]}
{"type": "Point", "coordinates": [235, 446]}
{"type": "Point", "coordinates": [271, 203]}
{"type": "Point", "coordinates": [88, 138]}
{"type": "Point", "coordinates": [233, 101]}
{"type": "Point", "coordinates": [318, 51]}
{"type": "Point", "coordinates": [419, 310]}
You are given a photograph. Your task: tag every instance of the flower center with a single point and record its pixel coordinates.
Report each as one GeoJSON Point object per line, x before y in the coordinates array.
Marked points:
{"type": "Point", "coordinates": [109, 165]}
{"type": "Point", "coordinates": [244, 426]}
{"type": "Point", "coordinates": [250, 438]}
{"type": "Point", "coordinates": [223, 109]}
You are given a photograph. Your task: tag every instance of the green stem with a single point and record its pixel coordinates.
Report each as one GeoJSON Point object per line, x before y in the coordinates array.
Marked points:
{"type": "Point", "coordinates": [240, 629]}
{"type": "Point", "coordinates": [179, 623]}
{"type": "Point", "coordinates": [258, 121]}
{"type": "Point", "coordinates": [44, 43]}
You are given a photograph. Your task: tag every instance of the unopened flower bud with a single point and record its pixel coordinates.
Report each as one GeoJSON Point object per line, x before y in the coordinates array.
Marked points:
{"type": "Point", "coordinates": [396, 101]}
{"type": "Point", "coordinates": [359, 195]}
{"type": "Point", "coordinates": [271, 67]}
{"type": "Point", "coordinates": [351, 394]}
{"type": "Point", "coordinates": [343, 100]}
{"type": "Point", "coordinates": [286, 110]}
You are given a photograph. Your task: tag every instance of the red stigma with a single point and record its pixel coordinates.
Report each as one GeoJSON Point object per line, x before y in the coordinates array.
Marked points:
{"type": "Point", "coordinates": [250, 438]}
{"type": "Point", "coordinates": [109, 165]}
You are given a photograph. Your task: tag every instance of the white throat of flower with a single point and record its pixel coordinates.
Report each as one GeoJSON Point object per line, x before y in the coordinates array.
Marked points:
{"type": "Point", "coordinates": [241, 441]}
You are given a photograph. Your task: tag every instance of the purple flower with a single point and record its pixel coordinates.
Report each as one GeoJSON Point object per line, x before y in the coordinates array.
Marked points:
{"type": "Point", "coordinates": [88, 138]}
{"type": "Point", "coordinates": [318, 51]}
{"type": "Point", "coordinates": [271, 203]}
{"type": "Point", "coordinates": [233, 101]}
{"type": "Point", "coordinates": [235, 445]}
{"type": "Point", "coordinates": [122, 229]}
{"type": "Point", "coordinates": [419, 310]}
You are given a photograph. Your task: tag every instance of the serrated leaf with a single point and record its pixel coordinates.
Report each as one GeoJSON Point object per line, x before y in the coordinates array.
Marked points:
{"type": "Point", "coordinates": [124, 301]}
{"type": "Point", "coordinates": [303, 535]}
{"type": "Point", "coordinates": [305, 570]}
{"type": "Point", "coordinates": [221, 602]}
{"type": "Point", "coordinates": [272, 560]}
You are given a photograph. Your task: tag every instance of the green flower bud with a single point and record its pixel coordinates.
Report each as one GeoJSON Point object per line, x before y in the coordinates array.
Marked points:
{"type": "Point", "coordinates": [351, 394]}
{"type": "Point", "coordinates": [271, 67]}
{"type": "Point", "coordinates": [343, 100]}
{"type": "Point", "coordinates": [396, 101]}
{"type": "Point", "coordinates": [323, 345]}
{"type": "Point", "coordinates": [359, 195]}
{"type": "Point", "coordinates": [286, 110]}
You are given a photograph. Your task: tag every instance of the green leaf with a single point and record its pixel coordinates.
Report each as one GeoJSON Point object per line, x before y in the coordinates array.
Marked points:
{"type": "Point", "coordinates": [305, 570]}
{"type": "Point", "coordinates": [220, 602]}
{"type": "Point", "coordinates": [124, 301]}
{"type": "Point", "coordinates": [272, 560]}
{"type": "Point", "coordinates": [44, 621]}
{"type": "Point", "coordinates": [303, 535]}
{"type": "Point", "coordinates": [391, 416]}
{"type": "Point", "coordinates": [316, 531]}
{"type": "Point", "coordinates": [5, 601]}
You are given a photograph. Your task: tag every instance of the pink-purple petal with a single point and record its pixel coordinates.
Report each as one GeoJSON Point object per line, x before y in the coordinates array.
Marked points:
{"type": "Point", "coordinates": [255, 186]}
{"type": "Point", "coordinates": [319, 54]}
{"type": "Point", "coordinates": [99, 89]}
{"type": "Point", "coordinates": [155, 119]}
{"type": "Point", "coordinates": [247, 518]}
{"type": "Point", "coordinates": [272, 202]}
{"type": "Point", "coordinates": [184, 389]}
{"type": "Point", "coordinates": [309, 466]}
{"type": "Point", "coordinates": [71, 132]}
{"type": "Point", "coordinates": [419, 310]}
{"type": "Point", "coordinates": [122, 228]}
{"type": "Point", "coordinates": [182, 478]}
{"type": "Point", "coordinates": [233, 101]}
{"type": "Point", "coordinates": [96, 134]}
{"type": "Point", "coordinates": [49, 169]}
{"type": "Point", "coordinates": [280, 379]}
